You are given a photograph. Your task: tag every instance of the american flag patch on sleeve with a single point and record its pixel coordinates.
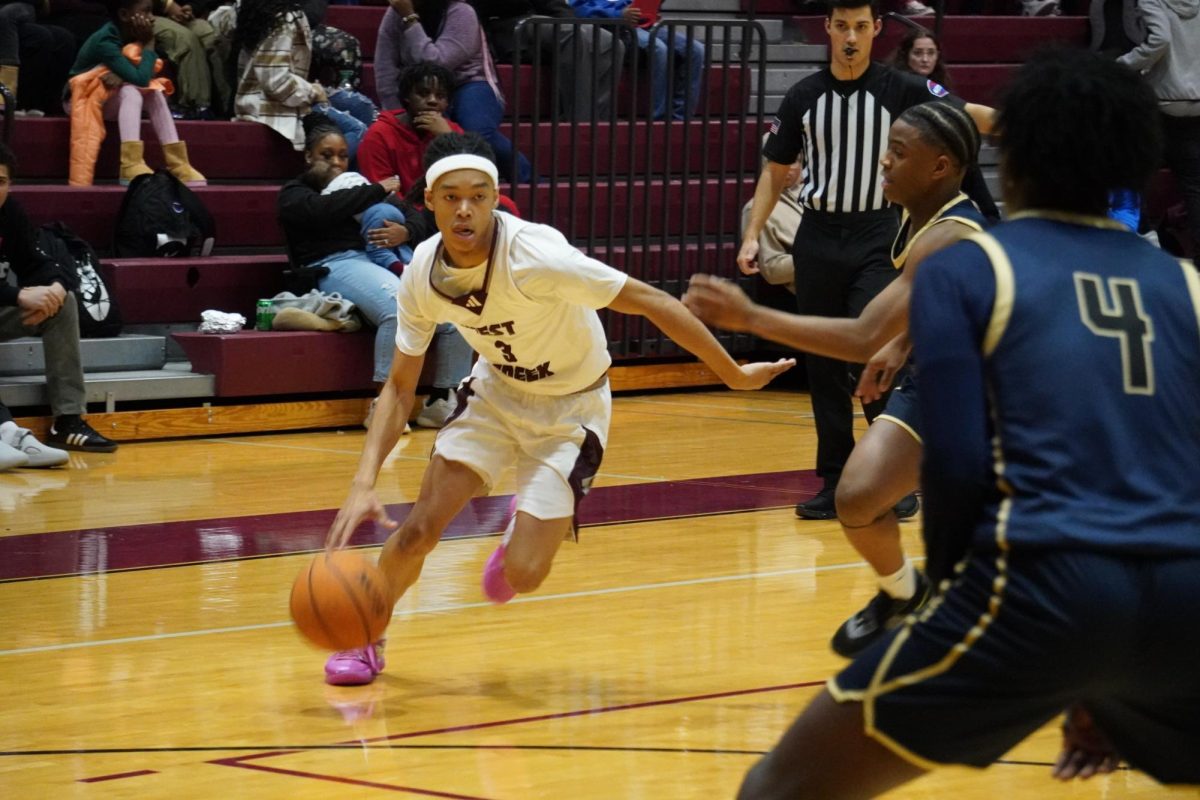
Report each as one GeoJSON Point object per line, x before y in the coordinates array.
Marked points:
{"type": "Point", "coordinates": [775, 125]}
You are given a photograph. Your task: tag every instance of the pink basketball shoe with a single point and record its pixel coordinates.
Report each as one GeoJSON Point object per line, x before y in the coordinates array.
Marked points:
{"type": "Point", "coordinates": [355, 667]}
{"type": "Point", "coordinates": [495, 585]}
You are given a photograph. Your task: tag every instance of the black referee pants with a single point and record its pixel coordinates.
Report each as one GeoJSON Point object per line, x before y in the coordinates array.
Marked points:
{"type": "Point", "coordinates": [842, 261]}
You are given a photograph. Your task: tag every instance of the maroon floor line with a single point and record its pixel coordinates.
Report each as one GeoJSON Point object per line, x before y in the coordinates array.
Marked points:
{"type": "Point", "coordinates": [350, 781]}
{"type": "Point", "coordinates": [589, 711]}
{"type": "Point", "coordinates": [238, 761]}
{"type": "Point", "coordinates": [130, 547]}
{"type": "Point", "coordinates": [118, 775]}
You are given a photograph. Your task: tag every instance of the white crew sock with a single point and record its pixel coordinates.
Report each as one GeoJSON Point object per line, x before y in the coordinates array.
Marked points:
{"type": "Point", "coordinates": [901, 584]}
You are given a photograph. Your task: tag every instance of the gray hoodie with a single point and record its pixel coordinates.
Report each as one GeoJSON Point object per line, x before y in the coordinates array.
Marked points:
{"type": "Point", "coordinates": [1170, 56]}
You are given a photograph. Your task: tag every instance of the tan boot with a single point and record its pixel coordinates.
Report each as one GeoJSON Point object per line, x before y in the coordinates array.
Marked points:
{"type": "Point", "coordinates": [132, 162]}
{"type": "Point", "coordinates": [8, 76]}
{"type": "Point", "coordinates": [177, 164]}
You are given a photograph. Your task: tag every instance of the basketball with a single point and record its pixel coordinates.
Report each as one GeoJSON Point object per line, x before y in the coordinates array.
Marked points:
{"type": "Point", "coordinates": [339, 601]}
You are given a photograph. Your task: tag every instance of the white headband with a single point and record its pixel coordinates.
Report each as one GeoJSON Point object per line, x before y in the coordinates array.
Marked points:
{"type": "Point", "coordinates": [461, 161]}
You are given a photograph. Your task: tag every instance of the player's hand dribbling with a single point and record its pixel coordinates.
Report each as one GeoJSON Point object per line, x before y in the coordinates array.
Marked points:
{"type": "Point", "coordinates": [747, 257]}
{"type": "Point", "coordinates": [1086, 751]}
{"type": "Point", "coordinates": [718, 302]}
{"type": "Point", "coordinates": [362, 503]}
{"type": "Point", "coordinates": [760, 373]}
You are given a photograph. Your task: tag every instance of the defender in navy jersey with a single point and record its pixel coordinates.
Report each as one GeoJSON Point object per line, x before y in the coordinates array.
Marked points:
{"type": "Point", "coordinates": [929, 150]}
{"type": "Point", "coordinates": [537, 398]}
{"type": "Point", "coordinates": [837, 123]}
{"type": "Point", "coordinates": [1060, 366]}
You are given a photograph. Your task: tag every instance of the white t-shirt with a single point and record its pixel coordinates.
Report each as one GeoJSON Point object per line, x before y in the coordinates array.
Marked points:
{"type": "Point", "coordinates": [529, 312]}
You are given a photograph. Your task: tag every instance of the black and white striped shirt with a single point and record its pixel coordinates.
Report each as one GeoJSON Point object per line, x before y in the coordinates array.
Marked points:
{"type": "Point", "coordinates": [840, 128]}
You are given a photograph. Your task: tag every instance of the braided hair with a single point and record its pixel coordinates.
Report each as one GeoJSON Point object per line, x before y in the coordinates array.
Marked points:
{"type": "Point", "coordinates": [257, 18]}
{"type": "Point", "coordinates": [948, 127]}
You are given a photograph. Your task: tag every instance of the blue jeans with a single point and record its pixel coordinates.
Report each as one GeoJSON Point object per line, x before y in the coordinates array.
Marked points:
{"type": "Point", "coordinates": [475, 107]}
{"type": "Point", "coordinates": [689, 72]}
{"type": "Point", "coordinates": [453, 359]}
{"type": "Point", "coordinates": [352, 112]}
{"type": "Point", "coordinates": [374, 217]}
{"type": "Point", "coordinates": [373, 290]}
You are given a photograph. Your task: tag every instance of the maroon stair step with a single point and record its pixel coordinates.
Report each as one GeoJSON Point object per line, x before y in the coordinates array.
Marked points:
{"type": "Point", "coordinates": [165, 290]}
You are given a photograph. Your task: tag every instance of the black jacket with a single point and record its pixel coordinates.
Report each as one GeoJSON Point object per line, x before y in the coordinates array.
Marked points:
{"type": "Point", "coordinates": [317, 225]}
{"type": "Point", "coordinates": [18, 248]}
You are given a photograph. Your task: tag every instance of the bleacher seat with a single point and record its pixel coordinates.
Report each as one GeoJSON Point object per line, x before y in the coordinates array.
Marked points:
{"type": "Point", "coordinates": [246, 151]}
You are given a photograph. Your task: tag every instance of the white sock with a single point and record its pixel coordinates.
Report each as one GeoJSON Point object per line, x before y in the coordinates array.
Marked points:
{"type": "Point", "coordinates": [901, 584]}
{"type": "Point", "coordinates": [8, 431]}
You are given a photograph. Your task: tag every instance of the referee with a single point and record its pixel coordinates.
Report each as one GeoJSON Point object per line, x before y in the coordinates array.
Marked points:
{"type": "Point", "coordinates": [836, 122]}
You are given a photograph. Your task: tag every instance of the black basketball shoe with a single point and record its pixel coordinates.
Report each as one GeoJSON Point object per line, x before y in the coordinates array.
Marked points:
{"type": "Point", "coordinates": [70, 432]}
{"type": "Point", "coordinates": [883, 613]}
{"type": "Point", "coordinates": [820, 506]}
{"type": "Point", "coordinates": [908, 507]}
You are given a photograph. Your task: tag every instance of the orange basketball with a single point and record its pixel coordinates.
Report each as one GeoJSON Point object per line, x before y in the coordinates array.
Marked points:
{"type": "Point", "coordinates": [339, 601]}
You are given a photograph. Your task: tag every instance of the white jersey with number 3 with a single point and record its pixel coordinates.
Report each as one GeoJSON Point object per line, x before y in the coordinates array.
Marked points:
{"type": "Point", "coordinates": [531, 314]}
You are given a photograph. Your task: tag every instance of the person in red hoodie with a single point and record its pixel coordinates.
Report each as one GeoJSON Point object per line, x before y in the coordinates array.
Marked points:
{"type": "Point", "coordinates": [395, 143]}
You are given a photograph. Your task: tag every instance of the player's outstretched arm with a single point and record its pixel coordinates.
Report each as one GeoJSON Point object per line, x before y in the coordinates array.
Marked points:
{"type": "Point", "coordinates": [722, 303]}
{"type": "Point", "coordinates": [689, 333]}
{"type": "Point", "coordinates": [387, 426]}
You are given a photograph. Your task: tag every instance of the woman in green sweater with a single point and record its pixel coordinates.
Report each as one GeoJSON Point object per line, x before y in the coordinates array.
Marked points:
{"type": "Point", "coordinates": [130, 90]}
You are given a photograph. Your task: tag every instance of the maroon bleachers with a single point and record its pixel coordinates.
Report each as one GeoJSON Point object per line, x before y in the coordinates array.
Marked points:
{"type": "Point", "coordinates": [725, 88]}
{"type": "Point", "coordinates": [245, 215]}
{"type": "Point", "coordinates": [221, 150]}
{"type": "Point", "coordinates": [249, 151]}
{"type": "Point", "coordinates": [972, 40]}
{"type": "Point", "coordinates": [786, 8]}
{"type": "Point", "coordinates": [163, 290]}
{"type": "Point", "coordinates": [262, 363]}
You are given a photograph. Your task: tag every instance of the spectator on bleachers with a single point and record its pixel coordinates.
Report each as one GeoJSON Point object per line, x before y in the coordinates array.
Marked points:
{"type": "Point", "coordinates": [920, 53]}
{"type": "Point", "coordinates": [188, 41]}
{"type": "Point", "coordinates": [321, 231]}
{"type": "Point", "coordinates": [1170, 60]}
{"type": "Point", "coordinates": [41, 304]}
{"type": "Point", "coordinates": [371, 221]}
{"type": "Point", "coordinates": [446, 32]}
{"type": "Point", "coordinates": [103, 71]}
{"type": "Point", "coordinates": [688, 56]}
{"type": "Point", "coordinates": [579, 67]}
{"type": "Point", "coordinates": [395, 144]}
{"type": "Point", "coordinates": [775, 261]}
{"type": "Point", "coordinates": [276, 52]}
{"type": "Point", "coordinates": [45, 51]}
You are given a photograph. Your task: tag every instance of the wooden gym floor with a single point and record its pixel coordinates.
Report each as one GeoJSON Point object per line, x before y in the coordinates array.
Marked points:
{"type": "Point", "coordinates": [145, 649]}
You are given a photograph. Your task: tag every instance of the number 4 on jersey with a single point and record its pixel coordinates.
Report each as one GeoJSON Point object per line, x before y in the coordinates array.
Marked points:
{"type": "Point", "coordinates": [1118, 313]}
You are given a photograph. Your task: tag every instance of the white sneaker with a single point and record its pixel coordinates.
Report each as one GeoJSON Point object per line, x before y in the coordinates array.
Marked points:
{"type": "Point", "coordinates": [11, 457]}
{"type": "Point", "coordinates": [435, 414]}
{"type": "Point", "coordinates": [915, 8]}
{"type": "Point", "coordinates": [24, 441]}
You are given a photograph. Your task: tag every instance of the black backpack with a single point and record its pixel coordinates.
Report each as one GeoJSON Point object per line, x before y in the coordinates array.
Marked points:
{"type": "Point", "coordinates": [160, 216]}
{"type": "Point", "coordinates": [98, 312]}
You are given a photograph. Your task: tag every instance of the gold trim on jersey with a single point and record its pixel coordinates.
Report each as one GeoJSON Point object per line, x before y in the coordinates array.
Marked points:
{"type": "Point", "coordinates": [878, 686]}
{"type": "Point", "coordinates": [902, 424]}
{"type": "Point", "coordinates": [1005, 289]}
{"type": "Point", "coordinates": [1070, 218]}
{"type": "Point", "coordinates": [899, 259]}
{"type": "Point", "coordinates": [1192, 279]}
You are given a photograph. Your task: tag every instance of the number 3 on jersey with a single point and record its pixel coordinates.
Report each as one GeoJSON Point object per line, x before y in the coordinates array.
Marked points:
{"type": "Point", "coordinates": [1117, 312]}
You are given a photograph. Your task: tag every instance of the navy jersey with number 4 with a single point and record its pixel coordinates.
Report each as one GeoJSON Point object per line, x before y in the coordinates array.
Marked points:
{"type": "Point", "coordinates": [1090, 342]}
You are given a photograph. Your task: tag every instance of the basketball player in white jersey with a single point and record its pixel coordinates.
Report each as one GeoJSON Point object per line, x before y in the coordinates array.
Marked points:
{"type": "Point", "coordinates": [538, 396]}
